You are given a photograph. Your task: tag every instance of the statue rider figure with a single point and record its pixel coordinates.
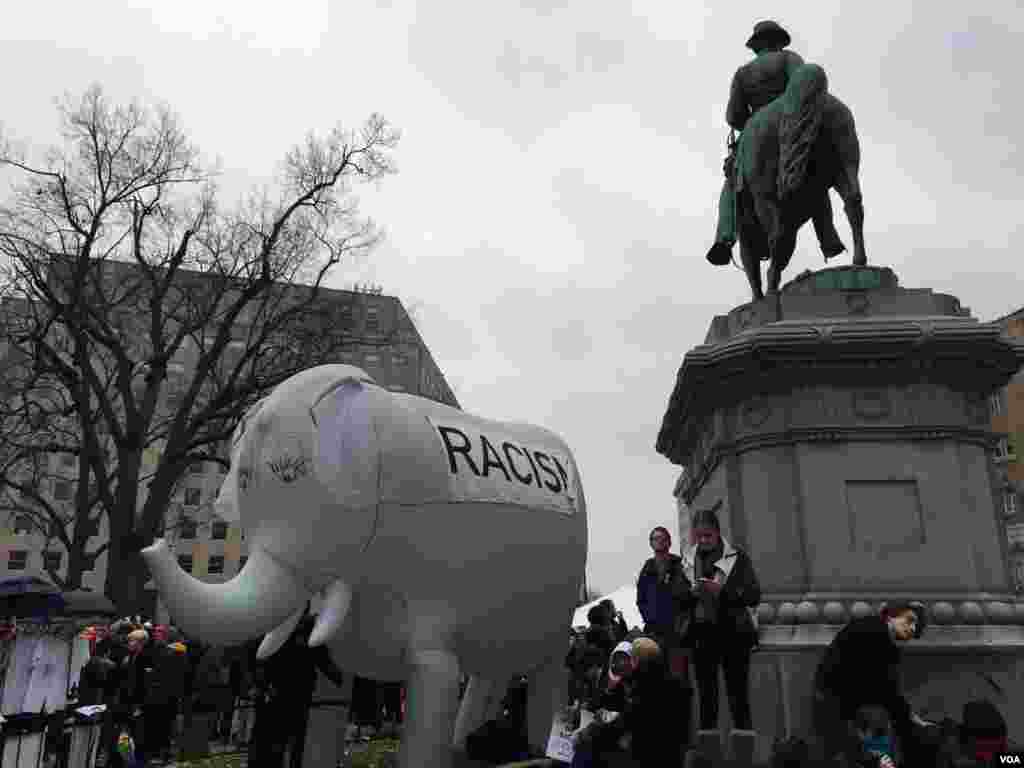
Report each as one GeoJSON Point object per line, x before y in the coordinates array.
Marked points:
{"type": "Point", "coordinates": [755, 85]}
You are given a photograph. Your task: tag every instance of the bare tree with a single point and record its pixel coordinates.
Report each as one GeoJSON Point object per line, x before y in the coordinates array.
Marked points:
{"type": "Point", "coordinates": [144, 318]}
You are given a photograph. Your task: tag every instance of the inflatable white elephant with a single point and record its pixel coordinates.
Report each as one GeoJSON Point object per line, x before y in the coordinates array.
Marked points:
{"type": "Point", "coordinates": [442, 544]}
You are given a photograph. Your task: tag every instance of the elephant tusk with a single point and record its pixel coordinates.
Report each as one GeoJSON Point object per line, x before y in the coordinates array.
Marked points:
{"type": "Point", "coordinates": [278, 636]}
{"type": "Point", "coordinates": [332, 615]}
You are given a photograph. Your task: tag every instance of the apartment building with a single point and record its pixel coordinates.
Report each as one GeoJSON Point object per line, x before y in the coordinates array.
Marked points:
{"type": "Point", "coordinates": [385, 343]}
{"type": "Point", "coordinates": [1007, 407]}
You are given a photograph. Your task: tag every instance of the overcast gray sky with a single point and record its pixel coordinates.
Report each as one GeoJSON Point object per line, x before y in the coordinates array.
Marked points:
{"type": "Point", "coordinates": [559, 170]}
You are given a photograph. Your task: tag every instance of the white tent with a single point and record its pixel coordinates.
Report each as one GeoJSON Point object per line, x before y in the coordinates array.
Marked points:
{"type": "Point", "coordinates": [625, 601]}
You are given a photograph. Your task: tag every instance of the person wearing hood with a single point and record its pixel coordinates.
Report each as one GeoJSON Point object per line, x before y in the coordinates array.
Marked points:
{"type": "Point", "coordinates": [647, 699]}
{"type": "Point", "coordinates": [723, 632]}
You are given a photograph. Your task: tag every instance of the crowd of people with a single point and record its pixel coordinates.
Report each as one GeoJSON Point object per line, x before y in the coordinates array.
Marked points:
{"type": "Point", "coordinates": [698, 609]}
{"type": "Point", "coordinates": [162, 689]}
{"type": "Point", "coordinates": [147, 675]}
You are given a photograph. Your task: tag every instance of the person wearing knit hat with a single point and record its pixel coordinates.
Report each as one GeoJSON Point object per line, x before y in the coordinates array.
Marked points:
{"type": "Point", "coordinates": [723, 633]}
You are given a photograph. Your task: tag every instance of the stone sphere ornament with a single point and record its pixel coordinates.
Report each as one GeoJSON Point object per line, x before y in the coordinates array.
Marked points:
{"type": "Point", "coordinates": [807, 612]}
{"type": "Point", "coordinates": [971, 613]}
{"type": "Point", "coordinates": [860, 609]}
{"type": "Point", "coordinates": [943, 613]}
{"type": "Point", "coordinates": [834, 613]}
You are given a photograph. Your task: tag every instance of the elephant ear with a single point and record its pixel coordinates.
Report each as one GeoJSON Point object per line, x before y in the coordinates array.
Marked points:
{"type": "Point", "coordinates": [226, 505]}
{"type": "Point", "coordinates": [346, 445]}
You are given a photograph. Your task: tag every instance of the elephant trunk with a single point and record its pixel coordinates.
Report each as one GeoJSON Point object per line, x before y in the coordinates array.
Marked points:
{"type": "Point", "coordinates": [261, 596]}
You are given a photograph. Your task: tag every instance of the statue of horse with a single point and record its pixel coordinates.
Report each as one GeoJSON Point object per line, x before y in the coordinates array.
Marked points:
{"type": "Point", "coordinates": [790, 152]}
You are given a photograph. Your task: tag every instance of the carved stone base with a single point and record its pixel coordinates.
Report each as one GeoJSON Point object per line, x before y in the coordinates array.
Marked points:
{"type": "Point", "coordinates": [844, 425]}
{"type": "Point", "coordinates": [938, 682]}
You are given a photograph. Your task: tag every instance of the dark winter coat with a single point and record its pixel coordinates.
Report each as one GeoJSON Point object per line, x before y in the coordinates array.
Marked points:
{"type": "Point", "coordinates": [663, 601]}
{"type": "Point", "coordinates": [861, 667]}
{"type": "Point", "coordinates": [738, 598]}
{"type": "Point", "coordinates": [650, 707]}
{"type": "Point", "coordinates": [97, 684]}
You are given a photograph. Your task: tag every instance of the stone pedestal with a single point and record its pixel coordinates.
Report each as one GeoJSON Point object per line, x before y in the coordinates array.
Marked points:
{"type": "Point", "coordinates": [844, 423]}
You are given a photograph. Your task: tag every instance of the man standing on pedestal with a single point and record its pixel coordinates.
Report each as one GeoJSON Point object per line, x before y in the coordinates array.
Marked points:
{"type": "Point", "coordinates": [663, 597]}
{"type": "Point", "coordinates": [755, 85]}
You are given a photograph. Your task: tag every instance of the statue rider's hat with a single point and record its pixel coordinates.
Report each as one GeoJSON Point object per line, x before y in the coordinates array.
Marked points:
{"type": "Point", "coordinates": [768, 33]}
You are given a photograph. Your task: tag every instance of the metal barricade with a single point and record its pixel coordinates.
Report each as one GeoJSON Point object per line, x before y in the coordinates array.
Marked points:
{"type": "Point", "coordinates": [24, 740]}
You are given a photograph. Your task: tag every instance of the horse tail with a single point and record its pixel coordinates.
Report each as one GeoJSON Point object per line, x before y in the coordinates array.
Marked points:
{"type": "Point", "coordinates": [803, 111]}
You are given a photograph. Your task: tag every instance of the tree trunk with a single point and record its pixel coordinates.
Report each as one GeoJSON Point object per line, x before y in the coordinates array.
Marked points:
{"type": "Point", "coordinates": [127, 575]}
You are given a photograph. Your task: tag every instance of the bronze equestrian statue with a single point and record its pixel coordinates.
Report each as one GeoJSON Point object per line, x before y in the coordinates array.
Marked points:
{"type": "Point", "coordinates": [796, 142]}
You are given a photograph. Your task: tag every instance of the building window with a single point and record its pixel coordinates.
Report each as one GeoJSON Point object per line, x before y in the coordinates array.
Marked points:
{"type": "Point", "coordinates": [185, 561]}
{"type": "Point", "coordinates": [995, 402]}
{"type": "Point", "coordinates": [1009, 503]}
{"type": "Point", "coordinates": [187, 528]}
{"type": "Point", "coordinates": [62, 490]}
{"type": "Point", "coordinates": [372, 320]}
{"type": "Point", "coordinates": [17, 559]}
{"type": "Point", "coordinates": [399, 359]}
{"type": "Point", "coordinates": [215, 564]}
{"type": "Point", "coordinates": [346, 317]}
{"type": "Point", "coordinates": [51, 560]}
{"type": "Point", "coordinates": [219, 530]}
{"type": "Point", "coordinates": [193, 497]}
{"type": "Point", "coordinates": [371, 358]}
{"type": "Point", "coordinates": [1002, 448]}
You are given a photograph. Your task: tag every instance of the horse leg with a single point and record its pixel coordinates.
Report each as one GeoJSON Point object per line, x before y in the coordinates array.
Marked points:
{"type": "Point", "coordinates": [781, 254]}
{"type": "Point", "coordinates": [825, 228]}
{"type": "Point", "coordinates": [752, 266]}
{"type": "Point", "coordinates": [848, 186]}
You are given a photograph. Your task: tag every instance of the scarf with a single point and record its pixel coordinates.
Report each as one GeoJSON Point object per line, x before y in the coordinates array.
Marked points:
{"type": "Point", "coordinates": [880, 745]}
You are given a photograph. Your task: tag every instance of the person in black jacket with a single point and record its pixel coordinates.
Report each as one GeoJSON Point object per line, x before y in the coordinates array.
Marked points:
{"type": "Point", "coordinates": [861, 668]}
{"type": "Point", "coordinates": [722, 631]}
{"type": "Point", "coordinates": [615, 620]}
{"type": "Point", "coordinates": [282, 715]}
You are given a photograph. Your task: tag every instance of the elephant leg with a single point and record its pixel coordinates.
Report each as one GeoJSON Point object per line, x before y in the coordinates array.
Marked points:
{"type": "Point", "coordinates": [479, 704]}
{"type": "Point", "coordinates": [547, 692]}
{"type": "Point", "coordinates": [848, 186]}
{"type": "Point", "coordinates": [432, 708]}
{"type": "Point", "coordinates": [433, 693]}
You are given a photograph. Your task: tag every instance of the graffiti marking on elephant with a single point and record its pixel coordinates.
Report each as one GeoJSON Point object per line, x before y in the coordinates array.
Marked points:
{"type": "Point", "coordinates": [288, 469]}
